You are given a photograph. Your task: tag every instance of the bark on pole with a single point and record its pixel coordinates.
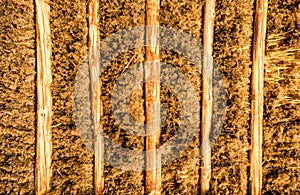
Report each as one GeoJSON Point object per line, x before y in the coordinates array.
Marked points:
{"type": "Point", "coordinates": [94, 66]}
{"type": "Point", "coordinates": [205, 173]}
{"type": "Point", "coordinates": [257, 86]}
{"type": "Point", "coordinates": [152, 101]}
{"type": "Point", "coordinates": [43, 171]}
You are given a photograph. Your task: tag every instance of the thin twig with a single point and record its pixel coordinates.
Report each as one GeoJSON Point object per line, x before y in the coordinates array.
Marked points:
{"type": "Point", "coordinates": [257, 103]}
{"type": "Point", "coordinates": [152, 101]}
{"type": "Point", "coordinates": [207, 98]}
{"type": "Point", "coordinates": [43, 171]}
{"type": "Point", "coordinates": [94, 55]}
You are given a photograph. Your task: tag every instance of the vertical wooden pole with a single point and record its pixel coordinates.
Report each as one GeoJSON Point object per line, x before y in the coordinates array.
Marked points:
{"type": "Point", "coordinates": [94, 64]}
{"type": "Point", "coordinates": [257, 104]}
{"type": "Point", "coordinates": [152, 99]}
{"type": "Point", "coordinates": [209, 15]}
{"type": "Point", "coordinates": [44, 100]}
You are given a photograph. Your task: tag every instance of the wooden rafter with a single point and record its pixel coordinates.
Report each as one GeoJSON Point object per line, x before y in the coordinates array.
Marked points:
{"type": "Point", "coordinates": [43, 171]}
{"type": "Point", "coordinates": [152, 98]}
{"type": "Point", "coordinates": [207, 98]}
{"type": "Point", "coordinates": [257, 87]}
{"type": "Point", "coordinates": [94, 66]}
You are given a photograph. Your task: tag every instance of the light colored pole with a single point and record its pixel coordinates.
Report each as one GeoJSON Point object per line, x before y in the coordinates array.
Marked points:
{"type": "Point", "coordinates": [257, 87]}
{"type": "Point", "coordinates": [94, 66]}
{"type": "Point", "coordinates": [208, 38]}
{"type": "Point", "coordinates": [43, 171]}
{"type": "Point", "coordinates": [152, 98]}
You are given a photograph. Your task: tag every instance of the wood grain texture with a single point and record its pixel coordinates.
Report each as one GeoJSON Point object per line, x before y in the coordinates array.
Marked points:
{"type": "Point", "coordinates": [208, 36]}
{"type": "Point", "coordinates": [44, 100]}
{"type": "Point", "coordinates": [152, 101]}
{"type": "Point", "coordinates": [94, 65]}
{"type": "Point", "coordinates": [257, 103]}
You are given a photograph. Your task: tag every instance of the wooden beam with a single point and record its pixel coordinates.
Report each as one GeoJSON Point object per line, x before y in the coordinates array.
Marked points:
{"type": "Point", "coordinates": [208, 37]}
{"type": "Point", "coordinates": [257, 87]}
{"type": "Point", "coordinates": [152, 99]}
{"type": "Point", "coordinates": [43, 171]}
{"type": "Point", "coordinates": [94, 65]}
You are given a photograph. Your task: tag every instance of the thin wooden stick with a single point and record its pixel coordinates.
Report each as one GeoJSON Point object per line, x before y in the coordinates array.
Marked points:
{"type": "Point", "coordinates": [207, 98]}
{"type": "Point", "coordinates": [257, 103]}
{"type": "Point", "coordinates": [43, 171]}
{"type": "Point", "coordinates": [152, 100]}
{"type": "Point", "coordinates": [94, 64]}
